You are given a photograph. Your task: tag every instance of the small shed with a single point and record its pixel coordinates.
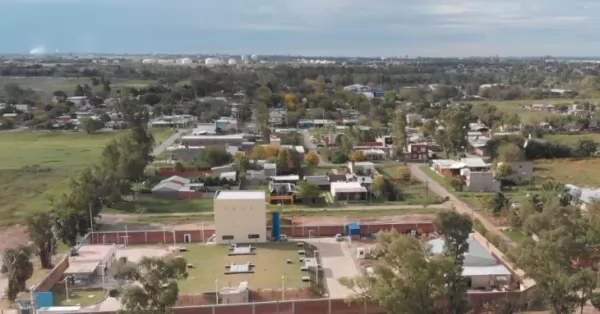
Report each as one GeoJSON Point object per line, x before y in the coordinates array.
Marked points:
{"type": "Point", "coordinates": [353, 229]}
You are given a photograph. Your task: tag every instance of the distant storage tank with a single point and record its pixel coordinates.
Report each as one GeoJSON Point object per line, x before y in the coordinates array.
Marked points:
{"type": "Point", "coordinates": [276, 231]}
{"type": "Point", "coordinates": [244, 58]}
{"type": "Point", "coordinates": [148, 61]}
{"type": "Point", "coordinates": [232, 62]}
{"type": "Point", "coordinates": [185, 61]}
{"type": "Point", "coordinates": [254, 57]}
{"type": "Point", "coordinates": [213, 61]}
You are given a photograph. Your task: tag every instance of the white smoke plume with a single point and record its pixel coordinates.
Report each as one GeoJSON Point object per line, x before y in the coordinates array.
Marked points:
{"type": "Point", "coordinates": [38, 50]}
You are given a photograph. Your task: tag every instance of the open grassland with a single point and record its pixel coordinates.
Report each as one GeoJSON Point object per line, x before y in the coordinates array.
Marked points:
{"type": "Point", "coordinates": [47, 85]}
{"type": "Point", "coordinates": [571, 139]}
{"type": "Point", "coordinates": [35, 167]}
{"type": "Point", "coordinates": [581, 172]}
{"type": "Point", "coordinates": [270, 266]}
{"type": "Point", "coordinates": [517, 107]}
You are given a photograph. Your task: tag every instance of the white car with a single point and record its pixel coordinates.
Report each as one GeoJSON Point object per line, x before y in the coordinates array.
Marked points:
{"type": "Point", "coordinates": [339, 237]}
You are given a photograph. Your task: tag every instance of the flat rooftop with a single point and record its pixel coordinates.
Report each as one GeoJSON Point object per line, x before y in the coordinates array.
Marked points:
{"type": "Point", "coordinates": [82, 267]}
{"type": "Point", "coordinates": [240, 195]}
{"type": "Point", "coordinates": [90, 253]}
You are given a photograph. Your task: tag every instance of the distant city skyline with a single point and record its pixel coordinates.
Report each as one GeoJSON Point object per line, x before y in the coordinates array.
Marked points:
{"type": "Point", "coordinates": [375, 28]}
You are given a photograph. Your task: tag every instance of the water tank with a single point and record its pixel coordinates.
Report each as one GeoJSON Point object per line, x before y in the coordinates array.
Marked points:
{"type": "Point", "coordinates": [254, 57]}
{"type": "Point", "coordinates": [232, 62]}
{"type": "Point", "coordinates": [213, 61]}
{"type": "Point", "coordinates": [276, 231]}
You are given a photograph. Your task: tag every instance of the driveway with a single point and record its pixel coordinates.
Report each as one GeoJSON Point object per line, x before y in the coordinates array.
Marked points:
{"type": "Point", "coordinates": [337, 262]}
{"type": "Point", "coordinates": [459, 205]}
{"type": "Point", "coordinates": [158, 149]}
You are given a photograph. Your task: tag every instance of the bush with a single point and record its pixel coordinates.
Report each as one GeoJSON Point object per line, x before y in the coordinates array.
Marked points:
{"type": "Point", "coordinates": [595, 300]}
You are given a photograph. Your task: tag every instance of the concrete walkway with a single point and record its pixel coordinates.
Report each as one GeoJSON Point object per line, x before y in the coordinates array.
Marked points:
{"type": "Point", "coordinates": [459, 205]}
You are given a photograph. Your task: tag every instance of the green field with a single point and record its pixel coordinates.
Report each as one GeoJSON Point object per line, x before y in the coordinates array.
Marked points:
{"type": "Point", "coordinates": [35, 167]}
{"type": "Point", "coordinates": [47, 85]}
{"type": "Point", "coordinates": [515, 235]}
{"type": "Point", "coordinates": [153, 205]}
{"type": "Point", "coordinates": [581, 172]}
{"type": "Point", "coordinates": [270, 266]}
{"type": "Point", "coordinates": [572, 139]}
{"type": "Point", "coordinates": [516, 107]}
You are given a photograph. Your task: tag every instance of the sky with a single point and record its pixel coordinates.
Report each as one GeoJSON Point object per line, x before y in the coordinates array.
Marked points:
{"type": "Point", "coordinates": [370, 28]}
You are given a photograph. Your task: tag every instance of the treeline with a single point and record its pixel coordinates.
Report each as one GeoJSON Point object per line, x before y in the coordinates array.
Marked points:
{"type": "Point", "coordinates": [536, 148]}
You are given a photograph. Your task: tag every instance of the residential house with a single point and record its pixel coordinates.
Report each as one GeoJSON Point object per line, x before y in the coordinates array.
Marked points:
{"type": "Point", "coordinates": [270, 169]}
{"type": "Point", "coordinates": [335, 177]}
{"type": "Point", "coordinates": [293, 179]}
{"type": "Point", "coordinates": [481, 269]}
{"type": "Point", "coordinates": [321, 180]}
{"type": "Point", "coordinates": [452, 168]}
{"type": "Point", "coordinates": [189, 154]}
{"type": "Point", "coordinates": [177, 187]}
{"type": "Point", "coordinates": [79, 101]}
{"type": "Point", "coordinates": [212, 140]}
{"type": "Point", "coordinates": [520, 170]}
{"type": "Point", "coordinates": [417, 152]}
{"type": "Point", "coordinates": [348, 191]}
{"type": "Point", "coordinates": [23, 107]}
{"type": "Point", "coordinates": [358, 88]}
{"type": "Point", "coordinates": [365, 167]}
{"type": "Point", "coordinates": [479, 181]}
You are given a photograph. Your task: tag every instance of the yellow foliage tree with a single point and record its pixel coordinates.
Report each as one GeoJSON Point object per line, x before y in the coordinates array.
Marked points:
{"type": "Point", "coordinates": [258, 152]}
{"type": "Point", "coordinates": [404, 174]}
{"type": "Point", "coordinates": [312, 159]}
{"type": "Point", "coordinates": [271, 151]}
{"type": "Point", "coordinates": [357, 156]}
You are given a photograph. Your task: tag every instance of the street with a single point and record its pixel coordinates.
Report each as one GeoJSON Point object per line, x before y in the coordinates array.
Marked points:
{"type": "Point", "coordinates": [166, 143]}
{"type": "Point", "coordinates": [459, 205]}
{"type": "Point", "coordinates": [312, 147]}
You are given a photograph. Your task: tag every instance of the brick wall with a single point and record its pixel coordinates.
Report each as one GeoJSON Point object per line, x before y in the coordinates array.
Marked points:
{"type": "Point", "coordinates": [198, 235]}
{"type": "Point", "coordinates": [53, 276]}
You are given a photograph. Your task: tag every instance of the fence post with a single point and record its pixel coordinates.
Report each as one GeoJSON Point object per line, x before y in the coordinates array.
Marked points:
{"type": "Point", "coordinates": [146, 236]}
{"type": "Point", "coordinates": [329, 306]}
{"type": "Point", "coordinates": [293, 306]}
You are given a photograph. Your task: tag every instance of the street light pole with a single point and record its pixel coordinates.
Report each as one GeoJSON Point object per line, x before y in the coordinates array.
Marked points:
{"type": "Point", "coordinates": [282, 287]}
{"type": "Point", "coordinates": [217, 290]}
{"type": "Point", "coordinates": [91, 222]}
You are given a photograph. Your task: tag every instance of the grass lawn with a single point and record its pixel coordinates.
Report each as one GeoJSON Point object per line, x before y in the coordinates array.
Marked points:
{"type": "Point", "coordinates": [35, 166]}
{"type": "Point", "coordinates": [582, 172]}
{"type": "Point", "coordinates": [269, 261]}
{"type": "Point", "coordinates": [515, 235]}
{"type": "Point", "coordinates": [153, 205]}
{"type": "Point", "coordinates": [77, 297]}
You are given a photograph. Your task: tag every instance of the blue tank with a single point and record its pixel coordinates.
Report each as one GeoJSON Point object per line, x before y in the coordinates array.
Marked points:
{"type": "Point", "coordinates": [276, 231]}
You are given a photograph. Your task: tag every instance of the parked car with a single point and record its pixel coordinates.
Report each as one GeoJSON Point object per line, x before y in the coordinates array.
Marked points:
{"type": "Point", "coordinates": [338, 237]}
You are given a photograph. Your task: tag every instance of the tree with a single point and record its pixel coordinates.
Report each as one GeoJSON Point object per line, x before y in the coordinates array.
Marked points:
{"type": "Point", "coordinates": [379, 186]}
{"type": "Point", "coordinates": [242, 162]}
{"type": "Point", "coordinates": [508, 152]}
{"type": "Point", "coordinates": [585, 148]}
{"type": "Point", "coordinates": [503, 170]}
{"type": "Point", "coordinates": [307, 191]}
{"type": "Point", "coordinates": [215, 157]}
{"type": "Point", "coordinates": [18, 268]}
{"type": "Point", "coordinates": [408, 279]}
{"type": "Point", "coordinates": [399, 133]}
{"type": "Point", "coordinates": [455, 183]}
{"type": "Point", "coordinates": [452, 137]}
{"type": "Point", "coordinates": [285, 162]}
{"type": "Point", "coordinates": [404, 174]}
{"type": "Point", "coordinates": [488, 114]}
{"type": "Point", "coordinates": [357, 156]}
{"type": "Point", "coordinates": [79, 91]}
{"type": "Point", "coordinates": [338, 157]}
{"type": "Point", "coordinates": [91, 125]}
{"type": "Point", "coordinates": [497, 203]}
{"type": "Point", "coordinates": [39, 227]}
{"type": "Point", "coordinates": [179, 167]}
{"type": "Point", "coordinates": [312, 159]}
{"type": "Point", "coordinates": [150, 286]}
{"type": "Point", "coordinates": [455, 229]}
{"type": "Point", "coordinates": [562, 235]}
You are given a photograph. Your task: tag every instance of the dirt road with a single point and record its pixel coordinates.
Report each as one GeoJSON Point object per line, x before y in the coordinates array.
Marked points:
{"type": "Point", "coordinates": [459, 205]}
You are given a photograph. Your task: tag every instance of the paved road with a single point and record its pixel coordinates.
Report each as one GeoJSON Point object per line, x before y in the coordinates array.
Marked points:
{"type": "Point", "coordinates": [459, 205]}
{"type": "Point", "coordinates": [166, 143]}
